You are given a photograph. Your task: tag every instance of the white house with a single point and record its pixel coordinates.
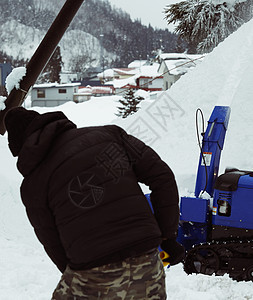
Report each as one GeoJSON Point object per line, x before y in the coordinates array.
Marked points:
{"type": "Point", "coordinates": [138, 64]}
{"type": "Point", "coordinates": [68, 77]}
{"type": "Point", "coordinates": [53, 94]}
{"type": "Point", "coordinates": [116, 73]}
{"type": "Point", "coordinates": [149, 79]}
{"type": "Point", "coordinates": [146, 78]}
{"type": "Point", "coordinates": [174, 65]}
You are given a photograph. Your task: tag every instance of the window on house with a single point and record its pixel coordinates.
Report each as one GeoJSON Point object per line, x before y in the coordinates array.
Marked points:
{"type": "Point", "coordinates": [0, 75]}
{"type": "Point", "coordinates": [146, 82]}
{"type": "Point", "coordinates": [62, 91]}
{"type": "Point", "coordinates": [41, 93]}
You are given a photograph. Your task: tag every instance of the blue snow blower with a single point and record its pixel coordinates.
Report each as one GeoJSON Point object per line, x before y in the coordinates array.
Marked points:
{"type": "Point", "coordinates": [216, 226]}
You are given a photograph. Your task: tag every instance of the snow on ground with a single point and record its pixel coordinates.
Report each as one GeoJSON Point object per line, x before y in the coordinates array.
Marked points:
{"type": "Point", "coordinates": [168, 125]}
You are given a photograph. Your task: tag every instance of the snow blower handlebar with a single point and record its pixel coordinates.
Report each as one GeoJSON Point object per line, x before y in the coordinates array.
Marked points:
{"type": "Point", "coordinates": [41, 57]}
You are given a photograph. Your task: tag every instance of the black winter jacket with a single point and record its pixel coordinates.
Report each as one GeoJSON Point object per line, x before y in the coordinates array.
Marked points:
{"type": "Point", "coordinates": [82, 196]}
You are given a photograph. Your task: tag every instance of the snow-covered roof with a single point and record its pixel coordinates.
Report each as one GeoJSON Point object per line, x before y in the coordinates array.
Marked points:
{"type": "Point", "coordinates": [120, 83]}
{"type": "Point", "coordinates": [175, 56]}
{"type": "Point", "coordinates": [117, 71]}
{"type": "Point", "coordinates": [106, 73]}
{"type": "Point", "coordinates": [148, 71]}
{"type": "Point", "coordinates": [95, 90]}
{"type": "Point", "coordinates": [85, 90]}
{"type": "Point", "coordinates": [178, 67]}
{"type": "Point", "coordinates": [137, 63]}
{"type": "Point", "coordinates": [145, 71]}
{"type": "Point", "coordinates": [125, 71]}
{"type": "Point", "coordinates": [55, 84]}
{"type": "Point", "coordinates": [179, 64]}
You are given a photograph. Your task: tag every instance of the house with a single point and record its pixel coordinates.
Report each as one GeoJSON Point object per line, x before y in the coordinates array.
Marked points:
{"type": "Point", "coordinates": [66, 77]}
{"type": "Point", "coordinates": [146, 78]}
{"type": "Point", "coordinates": [149, 83]}
{"type": "Point", "coordinates": [105, 90]}
{"type": "Point", "coordinates": [149, 79]}
{"type": "Point", "coordinates": [82, 97]}
{"type": "Point", "coordinates": [116, 73]}
{"type": "Point", "coordinates": [53, 94]}
{"type": "Point", "coordinates": [154, 77]}
{"type": "Point", "coordinates": [138, 63]}
{"type": "Point", "coordinates": [174, 65]}
{"type": "Point", "coordinates": [98, 91]}
{"type": "Point", "coordinates": [5, 70]}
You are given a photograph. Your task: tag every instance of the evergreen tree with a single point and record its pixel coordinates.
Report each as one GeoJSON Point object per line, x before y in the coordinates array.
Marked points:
{"type": "Point", "coordinates": [129, 102]}
{"type": "Point", "coordinates": [204, 24]}
{"type": "Point", "coordinates": [52, 71]}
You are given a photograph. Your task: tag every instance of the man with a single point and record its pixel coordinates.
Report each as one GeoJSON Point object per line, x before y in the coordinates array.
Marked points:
{"type": "Point", "coordinates": [82, 197]}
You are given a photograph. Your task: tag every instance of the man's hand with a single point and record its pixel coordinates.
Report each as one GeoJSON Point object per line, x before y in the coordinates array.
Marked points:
{"type": "Point", "coordinates": [176, 251]}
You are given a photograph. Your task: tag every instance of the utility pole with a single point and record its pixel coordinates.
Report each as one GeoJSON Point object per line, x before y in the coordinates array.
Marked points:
{"type": "Point", "coordinates": [102, 56]}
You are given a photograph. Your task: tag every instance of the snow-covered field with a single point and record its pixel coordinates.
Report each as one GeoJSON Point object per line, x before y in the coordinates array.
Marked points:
{"type": "Point", "coordinates": [168, 125]}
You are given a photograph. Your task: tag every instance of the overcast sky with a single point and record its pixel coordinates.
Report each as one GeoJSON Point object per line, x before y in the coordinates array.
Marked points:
{"type": "Point", "coordinates": [148, 11]}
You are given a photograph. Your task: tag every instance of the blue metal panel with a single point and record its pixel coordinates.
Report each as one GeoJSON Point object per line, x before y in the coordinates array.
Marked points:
{"type": "Point", "coordinates": [220, 114]}
{"type": "Point", "coordinates": [240, 203]}
{"type": "Point", "coordinates": [246, 181]}
{"type": "Point", "coordinates": [194, 209]}
{"type": "Point", "coordinates": [211, 147]}
{"type": "Point", "coordinates": [192, 233]}
{"type": "Point", "coordinates": [194, 216]}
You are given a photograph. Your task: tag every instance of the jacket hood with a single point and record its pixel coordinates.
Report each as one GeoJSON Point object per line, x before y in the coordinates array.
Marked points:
{"type": "Point", "coordinates": [40, 137]}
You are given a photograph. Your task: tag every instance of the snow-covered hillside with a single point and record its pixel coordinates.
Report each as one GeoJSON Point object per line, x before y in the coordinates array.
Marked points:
{"type": "Point", "coordinates": [168, 125]}
{"type": "Point", "coordinates": [97, 31]}
{"type": "Point", "coordinates": [18, 40]}
{"type": "Point", "coordinates": [21, 41]}
{"type": "Point", "coordinates": [81, 48]}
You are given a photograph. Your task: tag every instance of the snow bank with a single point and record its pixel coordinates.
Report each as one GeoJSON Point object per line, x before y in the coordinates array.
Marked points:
{"type": "Point", "coordinates": [199, 287]}
{"type": "Point", "coordinates": [97, 111]}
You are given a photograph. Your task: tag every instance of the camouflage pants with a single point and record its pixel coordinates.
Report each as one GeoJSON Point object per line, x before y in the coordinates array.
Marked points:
{"type": "Point", "coordinates": [137, 278]}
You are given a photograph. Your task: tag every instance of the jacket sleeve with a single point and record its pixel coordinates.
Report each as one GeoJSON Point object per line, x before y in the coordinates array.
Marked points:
{"type": "Point", "coordinates": [42, 220]}
{"type": "Point", "coordinates": [151, 170]}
